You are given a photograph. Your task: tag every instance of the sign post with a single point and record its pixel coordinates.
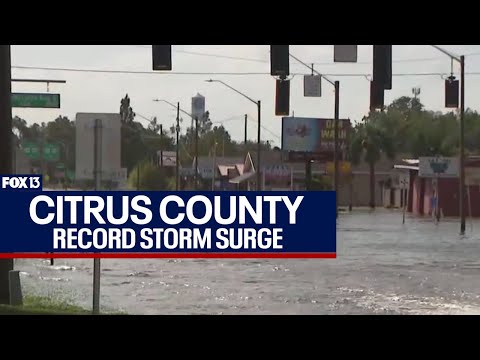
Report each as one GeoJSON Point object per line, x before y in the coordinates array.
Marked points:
{"type": "Point", "coordinates": [404, 186]}
{"type": "Point", "coordinates": [97, 169]}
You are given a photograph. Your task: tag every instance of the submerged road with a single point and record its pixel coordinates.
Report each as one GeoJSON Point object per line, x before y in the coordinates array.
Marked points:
{"type": "Point", "coordinates": [383, 267]}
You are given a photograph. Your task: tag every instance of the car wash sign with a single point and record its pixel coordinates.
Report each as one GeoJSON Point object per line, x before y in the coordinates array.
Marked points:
{"type": "Point", "coordinates": [438, 167]}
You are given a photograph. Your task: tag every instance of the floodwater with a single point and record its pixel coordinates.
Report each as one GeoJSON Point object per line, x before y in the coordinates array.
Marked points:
{"type": "Point", "coordinates": [383, 267]}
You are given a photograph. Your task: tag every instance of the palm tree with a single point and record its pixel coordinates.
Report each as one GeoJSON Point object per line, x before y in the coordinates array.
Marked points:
{"type": "Point", "coordinates": [371, 141]}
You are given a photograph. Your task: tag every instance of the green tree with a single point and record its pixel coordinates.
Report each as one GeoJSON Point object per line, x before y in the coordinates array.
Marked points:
{"type": "Point", "coordinates": [152, 178]}
{"type": "Point", "coordinates": [369, 142]}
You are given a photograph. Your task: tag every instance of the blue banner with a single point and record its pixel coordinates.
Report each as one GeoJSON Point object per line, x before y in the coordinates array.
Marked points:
{"type": "Point", "coordinates": [168, 222]}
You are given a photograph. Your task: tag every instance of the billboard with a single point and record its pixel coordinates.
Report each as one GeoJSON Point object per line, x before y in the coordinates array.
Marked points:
{"type": "Point", "coordinates": [438, 167]}
{"type": "Point", "coordinates": [313, 135]}
{"type": "Point", "coordinates": [111, 145]}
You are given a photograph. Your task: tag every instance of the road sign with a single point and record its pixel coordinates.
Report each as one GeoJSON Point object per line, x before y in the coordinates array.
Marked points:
{"type": "Point", "coordinates": [167, 158]}
{"type": "Point", "coordinates": [30, 100]}
{"type": "Point", "coordinates": [438, 167]}
{"type": "Point", "coordinates": [31, 150]}
{"type": "Point", "coordinates": [404, 180]}
{"type": "Point", "coordinates": [312, 86]}
{"type": "Point", "coordinates": [51, 152]}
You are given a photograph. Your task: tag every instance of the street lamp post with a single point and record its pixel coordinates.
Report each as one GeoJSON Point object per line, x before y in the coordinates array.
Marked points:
{"type": "Point", "coordinates": [336, 84]}
{"type": "Point", "coordinates": [177, 168]}
{"type": "Point", "coordinates": [178, 131]}
{"type": "Point", "coordinates": [460, 60]}
{"type": "Point", "coordinates": [259, 108]}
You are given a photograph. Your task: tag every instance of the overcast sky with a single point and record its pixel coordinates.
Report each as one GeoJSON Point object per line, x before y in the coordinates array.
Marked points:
{"type": "Point", "coordinates": [101, 92]}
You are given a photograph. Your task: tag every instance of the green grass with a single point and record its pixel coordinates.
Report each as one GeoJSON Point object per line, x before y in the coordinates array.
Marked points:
{"type": "Point", "coordinates": [36, 305]}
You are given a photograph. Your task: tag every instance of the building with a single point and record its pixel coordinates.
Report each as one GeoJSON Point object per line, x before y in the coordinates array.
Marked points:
{"type": "Point", "coordinates": [421, 191]}
{"type": "Point", "coordinates": [216, 172]}
{"type": "Point", "coordinates": [276, 174]}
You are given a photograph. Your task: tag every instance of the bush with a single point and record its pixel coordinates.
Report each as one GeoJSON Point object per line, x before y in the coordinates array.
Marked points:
{"type": "Point", "coordinates": [321, 184]}
{"type": "Point", "coordinates": [152, 178]}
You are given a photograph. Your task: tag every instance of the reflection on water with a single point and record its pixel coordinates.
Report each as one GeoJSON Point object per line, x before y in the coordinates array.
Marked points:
{"type": "Point", "coordinates": [383, 267]}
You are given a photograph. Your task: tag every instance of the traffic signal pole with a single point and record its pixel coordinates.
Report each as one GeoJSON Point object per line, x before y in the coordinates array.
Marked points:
{"type": "Point", "coordinates": [6, 152]}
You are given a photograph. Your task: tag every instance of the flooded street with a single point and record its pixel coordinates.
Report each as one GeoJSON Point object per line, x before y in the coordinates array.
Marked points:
{"type": "Point", "coordinates": [383, 267]}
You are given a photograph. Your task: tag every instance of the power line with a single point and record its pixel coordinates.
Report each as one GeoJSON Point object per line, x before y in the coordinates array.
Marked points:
{"type": "Point", "coordinates": [231, 118]}
{"type": "Point", "coordinates": [263, 127]}
{"type": "Point", "coordinates": [318, 63]}
{"type": "Point", "coordinates": [213, 73]}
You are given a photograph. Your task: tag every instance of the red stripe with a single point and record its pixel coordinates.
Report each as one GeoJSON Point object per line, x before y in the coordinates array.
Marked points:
{"type": "Point", "coordinates": [171, 256]}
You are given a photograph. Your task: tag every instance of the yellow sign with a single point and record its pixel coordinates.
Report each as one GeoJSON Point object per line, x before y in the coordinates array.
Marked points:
{"type": "Point", "coordinates": [345, 167]}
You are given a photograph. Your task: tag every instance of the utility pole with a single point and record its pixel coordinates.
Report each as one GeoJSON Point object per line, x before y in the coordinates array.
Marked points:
{"type": "Point", "coordinates": [196, 153]}
{"type": "Point", "coordinates": [161, 146]}
{"type": "Point", "coordinates": [259, 147]}
{"type": "Point", "coordinates": [214, 167]}
{"type": "Point", "coordinates": [6, 265]}
{"type": "Point", "coordinates": [462, 144]}
{"type": "Point", "coordinates": [177, 175]}
{"type": "Point", "coordinates": [246, 128]}
{"type": "Point", "coordinates": [336, 152]}
{"type": "Point", "coordinates": [138, 177]}
{"type": "Point", "coordinates": [461, 200]}
{"type": "Point", "coordinates": [336, 84]}
{"type": "Point", "coordinates": [97, 171]}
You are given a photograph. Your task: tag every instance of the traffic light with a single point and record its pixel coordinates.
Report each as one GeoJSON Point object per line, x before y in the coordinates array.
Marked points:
{"type": "Point", "coordinates": [280, 60]}
{"type": "Point", "coordinates": [382, 65]}
{"type": "Point", "coordinates": [452, 93]}
{"type": "Point", "coordinates": [345, 53]}
{"type": "Point", "coordinates": [377, 95]}
{"type": "Point", "coordinates": [282, 98]}
{"type": "Point", "coordinates": [162, 57]}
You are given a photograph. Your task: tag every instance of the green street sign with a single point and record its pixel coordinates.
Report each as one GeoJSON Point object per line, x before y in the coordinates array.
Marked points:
{"type": "Point", "coordinates": [51, 152]}
{"type": "Point", "coordinates": [31, 150]}
{"type": "Point", "coordinates": [30, 100]}
{"type": "Point", "coordinates": [70, 175]}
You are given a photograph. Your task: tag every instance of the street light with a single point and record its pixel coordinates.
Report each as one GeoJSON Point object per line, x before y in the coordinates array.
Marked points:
{"type": "Point", "coordinates": [336, 84]}
{"type": "Point", "coordinates": [178, 131]}
{"type": "Point", "coordinates": [460, 60]}
{"type": "Point", "coordinates": [259, 107]}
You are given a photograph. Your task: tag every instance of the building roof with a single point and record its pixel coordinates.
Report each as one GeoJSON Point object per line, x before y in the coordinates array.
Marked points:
{"type": "Point", "coordinates": [242, 178]}
{"type": "Point", "coordinates": [207, 161]}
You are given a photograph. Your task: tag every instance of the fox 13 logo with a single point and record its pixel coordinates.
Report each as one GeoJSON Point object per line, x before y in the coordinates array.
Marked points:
{"type": "Point", "coordinates": [21, 182]}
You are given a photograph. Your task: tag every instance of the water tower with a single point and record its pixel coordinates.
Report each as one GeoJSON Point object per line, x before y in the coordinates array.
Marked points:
{"type": "Point", "coordinates": [198, 107]}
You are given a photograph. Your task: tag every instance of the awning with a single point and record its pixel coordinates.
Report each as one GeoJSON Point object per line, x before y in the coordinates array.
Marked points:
{"type": "Point", "coordinates": [405, 167]}
{"type": "Point", "coordinates": [242, 178]}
